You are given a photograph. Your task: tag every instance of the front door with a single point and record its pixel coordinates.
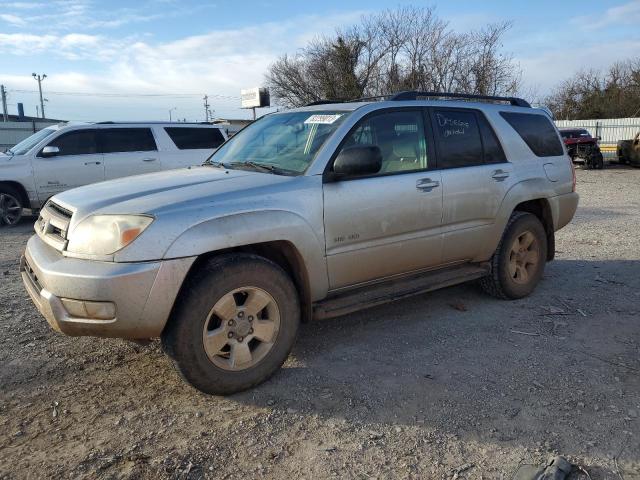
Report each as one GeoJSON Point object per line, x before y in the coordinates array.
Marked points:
{"type": "Point", "coordinates": [387, 223]}
{"type": "Point", "coordinates": [129, 151]}
{"type": "Point", "coordinates": [77, 163]}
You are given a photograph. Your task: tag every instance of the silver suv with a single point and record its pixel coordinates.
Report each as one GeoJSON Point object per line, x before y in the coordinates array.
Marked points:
{"type": "Point", "coordinates": [309, 213]}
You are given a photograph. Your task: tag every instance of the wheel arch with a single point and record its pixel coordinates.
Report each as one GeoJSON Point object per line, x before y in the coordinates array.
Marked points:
{"type": "Point", "coordinates": [24, 197]}
{"type": "Point", "coordinates": [281, 252]}
{"type": "Point", "coordinates": [541, 208]}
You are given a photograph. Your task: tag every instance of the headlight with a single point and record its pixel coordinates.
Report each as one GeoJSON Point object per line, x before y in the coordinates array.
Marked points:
{"type": "Point", "coordinates": [106, 234]}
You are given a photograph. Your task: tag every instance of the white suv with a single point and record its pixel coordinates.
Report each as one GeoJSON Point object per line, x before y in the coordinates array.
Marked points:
{"type": "Point", "coordinates": [61, 157]}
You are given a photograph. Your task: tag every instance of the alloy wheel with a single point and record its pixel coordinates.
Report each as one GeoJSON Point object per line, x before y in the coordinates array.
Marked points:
{"type": "Point", "coordinates": [241, 328]}
{"type": "Point", "coordinates": [524, 257]}
{"type": "Point", "coordinates": [10, 209]}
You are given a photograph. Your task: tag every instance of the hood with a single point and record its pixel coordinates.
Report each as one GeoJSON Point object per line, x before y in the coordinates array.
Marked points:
{"type": "Point", "coordinates": [165, 191]}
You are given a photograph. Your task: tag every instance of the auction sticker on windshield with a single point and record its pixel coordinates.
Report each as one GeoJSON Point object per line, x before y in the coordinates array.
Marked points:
{"type": "Point", "coordinates": [323, 119]}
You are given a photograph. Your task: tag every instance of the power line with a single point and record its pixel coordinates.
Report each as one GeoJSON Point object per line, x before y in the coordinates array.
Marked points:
{"type": "Point", "coordinates": [127, 95]}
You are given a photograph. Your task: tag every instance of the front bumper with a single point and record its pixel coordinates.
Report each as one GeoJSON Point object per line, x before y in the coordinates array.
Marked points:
{"type": "Point", "coordinates": [143, 293]}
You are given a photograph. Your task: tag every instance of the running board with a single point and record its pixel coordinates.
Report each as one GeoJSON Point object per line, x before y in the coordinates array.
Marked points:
{"type": "Point", "coordinates": [391, 290]}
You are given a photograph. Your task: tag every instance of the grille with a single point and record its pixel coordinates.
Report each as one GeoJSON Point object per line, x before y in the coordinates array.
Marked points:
{"type": "Point", "coordinates": [60, 210]}
{"type": "Point", "coordinates": [52, 225]}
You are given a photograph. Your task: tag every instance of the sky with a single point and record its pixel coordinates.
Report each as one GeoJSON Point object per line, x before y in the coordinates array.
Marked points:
{"type": "Point", "coordinates": [148, 59]}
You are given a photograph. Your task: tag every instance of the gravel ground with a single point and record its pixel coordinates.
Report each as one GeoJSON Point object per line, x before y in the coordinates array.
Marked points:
{"type": "Point", "coordinates": [451, 384]}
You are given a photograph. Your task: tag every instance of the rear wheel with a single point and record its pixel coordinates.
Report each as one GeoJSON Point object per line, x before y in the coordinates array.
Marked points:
{"type": "Point", "coordinates": [234, 325]}
{"type": "Point", "coordinates": [11, 206]}
{"type": "Point", "coordinates": [518, 264]}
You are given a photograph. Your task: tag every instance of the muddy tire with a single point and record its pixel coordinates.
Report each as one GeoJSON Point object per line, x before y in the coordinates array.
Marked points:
{"type": "Point", "coordinates": [518, 263]}
{"type": "Point", "coordinates": [11, 206]}
{"type": "Point", "coordinates": [234, 324]}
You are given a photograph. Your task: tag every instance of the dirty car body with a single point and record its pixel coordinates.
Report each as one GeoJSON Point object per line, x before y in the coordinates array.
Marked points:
{"type": "Point", "coordinates": [121, 258]}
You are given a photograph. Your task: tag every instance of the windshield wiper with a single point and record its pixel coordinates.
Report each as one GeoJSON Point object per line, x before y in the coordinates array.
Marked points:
{"type": "Point", "coordinates": [214, 164]}
{"type": "Point", "coordinates": [264, 167]}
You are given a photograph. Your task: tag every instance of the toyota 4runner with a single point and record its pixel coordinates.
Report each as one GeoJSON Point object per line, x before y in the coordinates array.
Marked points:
{"type": "Point", "coordinates": [313, 212]}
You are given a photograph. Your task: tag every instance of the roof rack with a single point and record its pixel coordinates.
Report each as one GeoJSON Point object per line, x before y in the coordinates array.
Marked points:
{"type": "Point", "coordinates": [322, 102]}
{"type": "Point", "coordinates": [152, 122]}
{"type": "Point", "coordinates": [412, 95]}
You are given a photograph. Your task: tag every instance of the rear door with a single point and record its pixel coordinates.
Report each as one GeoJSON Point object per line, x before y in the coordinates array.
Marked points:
{"type": "Point", "coordinates": [475, 178]}
{"type": "Point", "coordinates": [128, 151]}
{"type": "Point", "coordinates": [388, 223]}
{"type": "Point", "coordinates": [192, 145]}
{"type": "Point", "coordinates": [77, 163]}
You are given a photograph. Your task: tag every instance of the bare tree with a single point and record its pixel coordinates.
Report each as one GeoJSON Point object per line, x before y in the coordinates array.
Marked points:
{"type": "Point", "coordinates": [408, 48]}
{"type": "Point", "coordinates": [595, 94]}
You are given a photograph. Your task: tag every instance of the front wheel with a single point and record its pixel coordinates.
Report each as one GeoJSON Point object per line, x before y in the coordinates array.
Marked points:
{"type": "Point", "coordinates": [234, 324]}
{"type": "Point", "coordinates": [518, 263]}
{"type": "Point", "coordinates": [11, 206]}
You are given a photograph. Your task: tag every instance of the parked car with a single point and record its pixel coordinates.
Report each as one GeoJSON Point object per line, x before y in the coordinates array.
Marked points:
{"type": "Point", "coordinates": [308, 213]}
{"type": "Point", "coordinates": [629, 151]}
{"type": "Point", "coordinates": [61, 157]}
{"type": "Point", "coordinates": [582, 147]}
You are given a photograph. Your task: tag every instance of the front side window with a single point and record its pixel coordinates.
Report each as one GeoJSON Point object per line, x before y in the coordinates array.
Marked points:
{"type": "Point", "coordinates": [282, 142]}
{"type": "Point", "coordinates": [80, 142]}
{"type": "Point", "coordinates": [400, 137]}
{"type": "Point", "coordinates": [458, 138]}
{"type": "Point", "coordinates": [113, 140]}
{"type": "Point", "coordinates": [191, 138]}
{"type": "Point", "coordinates": [537, 132]}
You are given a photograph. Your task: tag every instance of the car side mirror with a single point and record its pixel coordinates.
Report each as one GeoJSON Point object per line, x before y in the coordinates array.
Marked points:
{"type": "Point", "coordinates": [49, 151]}
{"type": "Point", "coordinates": [358, 160]}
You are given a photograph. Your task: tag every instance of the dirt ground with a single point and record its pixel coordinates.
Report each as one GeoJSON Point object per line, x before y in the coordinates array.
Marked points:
{"type": "Point", "coordinates": [451, 384]}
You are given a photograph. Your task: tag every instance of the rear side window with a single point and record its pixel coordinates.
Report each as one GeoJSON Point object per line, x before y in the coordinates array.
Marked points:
{"type": "Point", "coordinates": [458, 137]}
{"type": "Point", "coordinates": [537, 132]}
{"type": "Point", "coordinates": [493, 152]}
{"type": "Point", "coordinates": [187, 138]}
{"type": "Point", "coordinates": [80, 142]}
{"type": "Point", "coordinates": [114, 140]}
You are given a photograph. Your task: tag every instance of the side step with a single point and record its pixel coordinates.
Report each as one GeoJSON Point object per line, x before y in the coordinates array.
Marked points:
{"type": "Point", "coordinates": [391, 290]}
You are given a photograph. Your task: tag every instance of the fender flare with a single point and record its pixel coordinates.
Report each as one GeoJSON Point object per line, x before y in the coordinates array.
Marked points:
{"type": "Point", "coordinates": [250, 228]}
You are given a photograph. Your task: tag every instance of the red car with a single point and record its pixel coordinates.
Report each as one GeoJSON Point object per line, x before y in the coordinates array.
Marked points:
{"type": "Point", "coordinates": [582, 147]}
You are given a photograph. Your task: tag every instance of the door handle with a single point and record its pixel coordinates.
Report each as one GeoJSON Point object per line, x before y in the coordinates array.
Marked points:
{"type": "Point", "coordinates": [149, 159]}
{"type": "Point", "coordinates": [92, 163]}
{"type": "Point", "coordinates": [426, 184]}
{"type": "Point", "coordinates": [500, 175]}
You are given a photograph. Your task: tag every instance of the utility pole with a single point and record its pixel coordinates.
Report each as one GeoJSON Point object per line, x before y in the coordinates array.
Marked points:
{"type": "Point", "coordinates": [40, 78]}
{"type": "Point", "coordinates": [206, 108]}
{"type": "Point", "coordinates": [3, 93]}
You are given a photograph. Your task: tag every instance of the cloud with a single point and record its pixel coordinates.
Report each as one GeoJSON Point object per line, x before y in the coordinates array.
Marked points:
{"type": "Point", "coordinates": [547, 69]}
{"type": "Point", "coordinates": [22, 5]}
{"type": "Point", "coordinates": [626, 14]}
{"type": "Point", "coordinates": [218, 63]}
{"type": "Point", "coordinates": [73, 46]}
{"type": "Point", "coordinates": [12, 19]}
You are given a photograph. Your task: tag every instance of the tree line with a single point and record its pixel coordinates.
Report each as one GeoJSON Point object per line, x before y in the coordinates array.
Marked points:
{"type": "Point", "coordinates": [408, 48]}
{"type": "Point", "coordinates": [411, 48]}
{"type": "Point", "coordinates": [614, 93]}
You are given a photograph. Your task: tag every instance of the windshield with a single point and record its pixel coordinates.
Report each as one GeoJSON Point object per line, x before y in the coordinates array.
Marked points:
{"type": "Point", "coordinates": [28, 143]}
{"type": "Point", "coordinates": [284, 142]}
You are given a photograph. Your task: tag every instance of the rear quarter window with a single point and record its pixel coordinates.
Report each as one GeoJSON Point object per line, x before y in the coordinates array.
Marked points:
{"type": "Point", "coordinates": [537, 132]}
{"type": "Point", "coordinates": [186, 138]}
